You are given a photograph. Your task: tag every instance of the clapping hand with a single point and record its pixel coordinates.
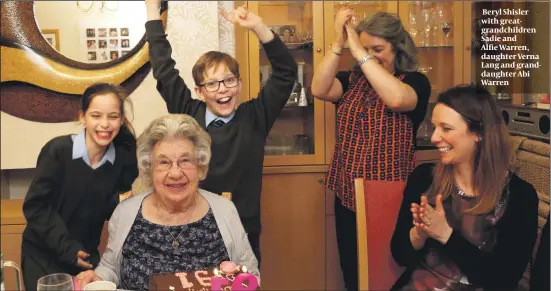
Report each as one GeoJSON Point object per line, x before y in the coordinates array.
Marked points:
{"type": "Point", "coordinates": [433, 220]}
{"type": "Point", "coordinates": [356, 48]}
{"type": "Point", "coordinates": [344, 16]}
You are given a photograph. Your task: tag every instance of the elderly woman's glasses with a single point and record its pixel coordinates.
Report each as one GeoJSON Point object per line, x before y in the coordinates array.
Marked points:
{"type": "Point", "coordinates": [213, 86]}
{"type": "Point", "coordinates": [183, 163]}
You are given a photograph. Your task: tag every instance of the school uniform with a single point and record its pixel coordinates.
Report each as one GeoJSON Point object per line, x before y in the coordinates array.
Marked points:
{"type": "Point", "coordinates": [238, 140]}
{"type": "Point", "coordinates": [68, 202]}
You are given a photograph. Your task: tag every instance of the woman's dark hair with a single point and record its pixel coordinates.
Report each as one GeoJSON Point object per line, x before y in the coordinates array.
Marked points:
{"type": "Point", "coordinates": [126, 136]}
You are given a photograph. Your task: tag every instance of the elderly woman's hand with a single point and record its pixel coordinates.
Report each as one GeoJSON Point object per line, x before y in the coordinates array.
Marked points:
{"type": "Point", "coordinates": [434, 221]}
{"type": "Point", "coordinates": [87, 277]}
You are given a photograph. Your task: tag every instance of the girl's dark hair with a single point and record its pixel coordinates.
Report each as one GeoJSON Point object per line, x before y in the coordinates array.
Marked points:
{"type": "Point", "coordinates": [126, 136]}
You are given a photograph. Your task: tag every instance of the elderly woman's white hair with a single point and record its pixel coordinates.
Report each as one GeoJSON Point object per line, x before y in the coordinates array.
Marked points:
{"type": "Point", "coordinates": [179, 126]}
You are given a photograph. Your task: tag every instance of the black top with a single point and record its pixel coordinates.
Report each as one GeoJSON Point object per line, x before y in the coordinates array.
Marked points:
{"type": "Point", "coordinates": [238, 146]}
{"type": "Point", "coordinates": [68, 201]}
{"type": "Point", "coordinates": [148, 249]}
{"type": "Point", "coordinates": [416, 80]}
{"type": "Point", "coordinates": [539, 276]}
{"type": "Point", "coordinates": [498, 269]}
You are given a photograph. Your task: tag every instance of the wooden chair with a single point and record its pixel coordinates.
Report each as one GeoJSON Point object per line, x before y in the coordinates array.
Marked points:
{"type": "Point", "coordinates": [377, 207]}
{"type": "Point", "coordinates": [226, 195]}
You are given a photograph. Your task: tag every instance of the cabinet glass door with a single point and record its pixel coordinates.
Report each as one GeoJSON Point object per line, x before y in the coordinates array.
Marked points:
{"type": "Point", "coordinates": [298, 134]}
{"type": "Point", "coordinates": [436, 28]}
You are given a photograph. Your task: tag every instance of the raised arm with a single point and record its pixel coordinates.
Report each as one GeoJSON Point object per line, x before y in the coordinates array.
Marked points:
{"type": "Point", "coordinates": [276, 92]}
{"type": "Point", "coordinates": [324, 84]}
{"type": "Point", "coordinates": [42, 218]}
{"type": "Point", "coordinates": [170, 85]}
{"type": "Point", "coordinates": [395, 94]}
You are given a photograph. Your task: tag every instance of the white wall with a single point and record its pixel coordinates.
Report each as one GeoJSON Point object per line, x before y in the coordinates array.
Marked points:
{"type": "Point", "coordinates": [193, 28]}
{"type": "Point", "coordinates": [72, 23]}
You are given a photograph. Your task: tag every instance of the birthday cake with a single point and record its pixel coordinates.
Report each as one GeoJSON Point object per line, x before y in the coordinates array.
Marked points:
{"type": "Point", "coordinates": [206, 280]}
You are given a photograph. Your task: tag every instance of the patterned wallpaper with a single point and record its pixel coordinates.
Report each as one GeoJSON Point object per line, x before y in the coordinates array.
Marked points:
{"type": "Point", "coordinates": [194, 27]}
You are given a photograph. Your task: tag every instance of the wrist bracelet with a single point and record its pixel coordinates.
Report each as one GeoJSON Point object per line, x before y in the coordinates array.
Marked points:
{"type": "Point", "coordinates": [337, 53]}
{"type": "Point", "coordinates": [365, 59]}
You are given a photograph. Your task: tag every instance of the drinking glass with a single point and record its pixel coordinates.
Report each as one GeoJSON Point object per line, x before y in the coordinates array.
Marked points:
{"type": "Point", "coordinates": [57, 282]}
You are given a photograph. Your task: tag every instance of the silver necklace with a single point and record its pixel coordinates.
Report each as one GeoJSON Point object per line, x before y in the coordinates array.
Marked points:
{"type": "Point", "coordinates": [175, 243]}
{"type": "Point", "coordinates": [460, 192]}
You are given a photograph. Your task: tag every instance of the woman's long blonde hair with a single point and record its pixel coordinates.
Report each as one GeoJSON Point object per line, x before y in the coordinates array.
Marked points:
{"type": "Point", "coordinates": [493, 155]}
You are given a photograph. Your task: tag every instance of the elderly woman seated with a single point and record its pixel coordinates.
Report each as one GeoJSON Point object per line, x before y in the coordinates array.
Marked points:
{"type": "Point", "coordinates": [176, 227]}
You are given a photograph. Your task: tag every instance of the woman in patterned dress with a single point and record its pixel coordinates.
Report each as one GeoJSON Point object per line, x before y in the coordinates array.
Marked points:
{"type": "Point", "coordinates": [176, 227]}
{"type": "Point", "coordinates": [380, 103]}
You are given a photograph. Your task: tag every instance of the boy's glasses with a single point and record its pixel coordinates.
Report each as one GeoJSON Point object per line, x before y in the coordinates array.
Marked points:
{"type": "Point", "coordinates": [213, 86]}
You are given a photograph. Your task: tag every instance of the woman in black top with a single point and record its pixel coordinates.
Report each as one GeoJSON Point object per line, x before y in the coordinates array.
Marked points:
{"type": "Point", "coordinates": [468, 222]}
{"type": "Point", "coordinates": [77, 186]}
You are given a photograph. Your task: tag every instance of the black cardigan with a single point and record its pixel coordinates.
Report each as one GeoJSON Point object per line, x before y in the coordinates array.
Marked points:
{"type": "Point", "coordinates": [237, 147]}
{"type": "Point", "coordinates": [500, 269]}
{"type": "Point", "coordinates": [68, 201]}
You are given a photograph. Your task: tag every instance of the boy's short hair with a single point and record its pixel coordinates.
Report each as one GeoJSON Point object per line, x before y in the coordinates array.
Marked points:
{"type": "Point", "coordinates": [213, 59]}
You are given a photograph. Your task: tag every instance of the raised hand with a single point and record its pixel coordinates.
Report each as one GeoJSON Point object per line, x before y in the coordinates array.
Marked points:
{"type": "Point", "coordinates": [356, 48]}
{"type": "Point", "coordinates": [249, 20]}
{"type": "Point", "coordinates": [152, 9]}
{"type": "Point", "coordinates": [344, 16]}
{"type": "Point", "coordinates": [434, 221]}
{"type": "Point", "coordinates": [153, 2]}
{"type": "Point", "coordinates": [243, 18]}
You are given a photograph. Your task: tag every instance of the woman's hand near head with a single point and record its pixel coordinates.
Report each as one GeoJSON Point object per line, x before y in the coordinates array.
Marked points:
{"type": "Point", "coordinates": [87, 277]}
{"type": "Point", "coordinates": [242, 17]}
{"type": "Point", "coordinates": [344, 16]}
{"type": "Point", "coordinates": [356, 48]}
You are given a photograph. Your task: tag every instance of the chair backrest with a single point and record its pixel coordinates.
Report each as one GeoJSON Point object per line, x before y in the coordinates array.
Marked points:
{"type": "Point", "coordinates": [226, 195]}
{"type": "Point", "coordinates": [377, 207]}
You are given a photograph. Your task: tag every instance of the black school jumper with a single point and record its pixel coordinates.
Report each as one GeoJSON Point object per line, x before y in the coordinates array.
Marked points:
{"type": "Point", "coordinates": [66, 207]}
{"type": "Point", "coordinates": [238, 146]}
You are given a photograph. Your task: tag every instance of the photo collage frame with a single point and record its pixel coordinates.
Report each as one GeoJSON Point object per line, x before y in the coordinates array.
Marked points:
{"type": "Point", "coordinates": [106, 44]}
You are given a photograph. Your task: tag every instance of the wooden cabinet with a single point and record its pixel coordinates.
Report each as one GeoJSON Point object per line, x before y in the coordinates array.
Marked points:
{"type": "Point", "coordinates": [293, 232]}
{"type": "Point", "coordinates": [11, 250]}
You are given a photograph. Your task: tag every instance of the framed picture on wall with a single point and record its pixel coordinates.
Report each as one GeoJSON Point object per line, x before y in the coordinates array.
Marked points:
{"type": "Point", "coordinates": [52, 36]}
